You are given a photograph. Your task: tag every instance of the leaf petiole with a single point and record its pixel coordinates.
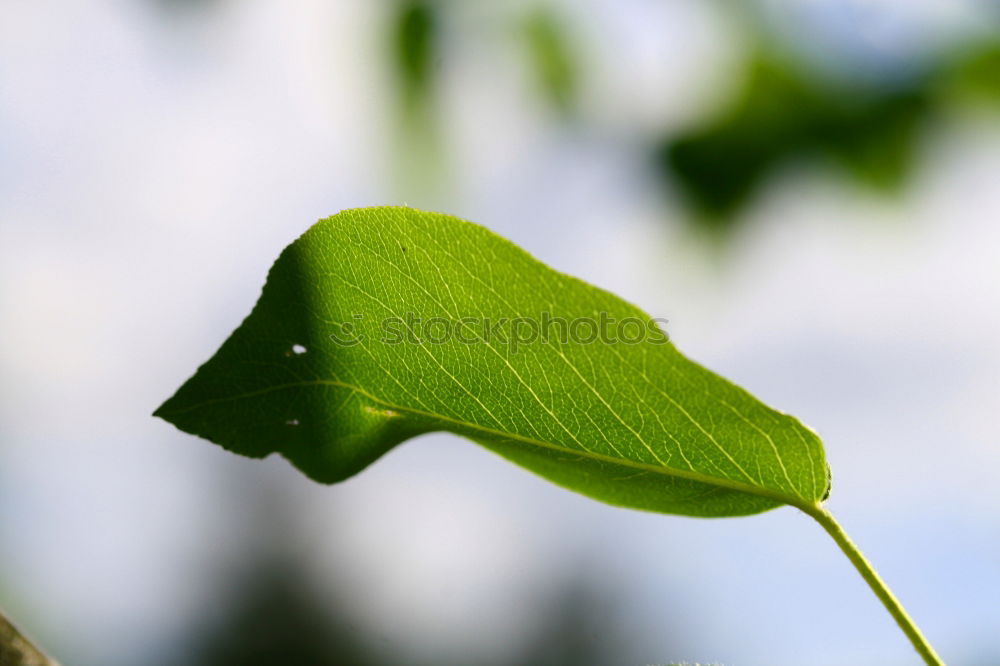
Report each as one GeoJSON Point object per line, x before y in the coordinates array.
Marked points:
{"type": "Point", "coordinates": [875, 582]}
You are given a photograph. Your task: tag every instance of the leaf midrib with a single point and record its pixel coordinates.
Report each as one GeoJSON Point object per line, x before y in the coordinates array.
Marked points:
{"type": "Point", "coordinates": [665, 470]}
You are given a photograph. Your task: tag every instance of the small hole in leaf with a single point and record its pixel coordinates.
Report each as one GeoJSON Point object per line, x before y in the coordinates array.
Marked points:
{"type": "Point", "coordinates": [298, 350]}
{"type": "Point", "coordinates": [292, 422]}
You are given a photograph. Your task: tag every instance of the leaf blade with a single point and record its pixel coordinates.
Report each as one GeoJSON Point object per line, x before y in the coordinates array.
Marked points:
{"type": "Point", "coordinates": [636, 425]}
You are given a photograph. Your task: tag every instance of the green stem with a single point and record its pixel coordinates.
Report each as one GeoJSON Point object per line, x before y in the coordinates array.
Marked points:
{"type": "Point", "coordinates": [877, 585]}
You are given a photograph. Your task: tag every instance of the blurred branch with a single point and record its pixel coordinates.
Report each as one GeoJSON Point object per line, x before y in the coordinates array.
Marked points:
{"type": "Point", "coordinates": [16, 650]}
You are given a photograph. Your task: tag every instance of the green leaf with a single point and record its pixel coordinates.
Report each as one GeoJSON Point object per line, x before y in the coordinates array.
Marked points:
{"type": "Point", "coordinates": [332, 369]}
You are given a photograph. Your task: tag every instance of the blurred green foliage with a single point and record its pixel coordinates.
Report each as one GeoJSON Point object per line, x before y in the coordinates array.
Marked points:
{"type": "Point", "coordinates": [783, 116]}
{"type": "Point", "coordinates": [786, 114]}
{"type": "Point", "coordinates": [783, 112]}
{"type": "Point", "coordinates": [416, 35]}
{"type": "Point", "coordinates": [551, 58]}
{"type": "Point", "coordinates": [415, 45]}
{"type": "Point", "coordinates": [974, 73]}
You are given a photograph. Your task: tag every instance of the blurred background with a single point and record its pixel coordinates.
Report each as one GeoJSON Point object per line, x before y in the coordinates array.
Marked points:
{"type": "Point", "coordinates": [808, 190]}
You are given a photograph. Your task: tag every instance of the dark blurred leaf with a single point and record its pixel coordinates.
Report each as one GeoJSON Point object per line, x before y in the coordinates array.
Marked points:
{"type": "Point", "coordinates": [874, 139]}
{"type": "Point", "coordinates": [784, 116]}
{"type": "Point", "coordinates": [414, 40]}
{"type": "Point", "coordinates": [551, 57]}
{"type": "Point", "coordinates": [720, 166]}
